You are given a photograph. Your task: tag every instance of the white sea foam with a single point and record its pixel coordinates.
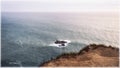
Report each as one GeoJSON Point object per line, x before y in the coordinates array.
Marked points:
{"type": "Point", "coordinates": [59, 45]}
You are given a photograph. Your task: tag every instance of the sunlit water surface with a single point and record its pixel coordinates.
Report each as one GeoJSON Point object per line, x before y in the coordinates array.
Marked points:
{"type": "Point", "coordinates": [26, 36]}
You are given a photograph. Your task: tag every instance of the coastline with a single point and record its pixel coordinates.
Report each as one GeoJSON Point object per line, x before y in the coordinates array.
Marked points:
{"type": "Point", "coordinates": [92, 55]}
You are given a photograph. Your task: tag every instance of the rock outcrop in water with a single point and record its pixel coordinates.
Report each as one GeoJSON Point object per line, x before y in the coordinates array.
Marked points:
{"type": "Point", "coordinates": [92, 55]}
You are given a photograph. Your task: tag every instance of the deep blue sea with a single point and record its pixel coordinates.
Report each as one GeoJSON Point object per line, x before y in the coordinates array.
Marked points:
{"type": "Point", "coordinates": [26, 36]}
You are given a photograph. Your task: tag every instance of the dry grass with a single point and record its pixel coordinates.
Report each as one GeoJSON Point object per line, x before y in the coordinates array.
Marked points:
{"type": "Point", "coordinates": [92, 55]}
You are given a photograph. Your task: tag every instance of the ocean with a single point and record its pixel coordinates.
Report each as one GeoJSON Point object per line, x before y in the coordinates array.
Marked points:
{"type": "Point", "coordinates": [26, 36]}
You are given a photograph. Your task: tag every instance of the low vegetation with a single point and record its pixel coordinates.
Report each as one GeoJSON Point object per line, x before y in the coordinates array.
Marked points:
{"type": "Point", "coordinates": [92, 55]}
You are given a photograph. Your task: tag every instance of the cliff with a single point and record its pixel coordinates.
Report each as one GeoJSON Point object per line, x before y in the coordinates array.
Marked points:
{"type": "Point", "coordinates": [92, 55]}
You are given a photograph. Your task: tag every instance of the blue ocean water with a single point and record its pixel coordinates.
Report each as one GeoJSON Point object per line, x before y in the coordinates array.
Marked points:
{"type": "Point", "coordinates": [25, 36]}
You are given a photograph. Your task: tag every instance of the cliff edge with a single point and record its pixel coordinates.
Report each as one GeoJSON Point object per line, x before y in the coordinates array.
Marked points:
{"type": "Point", "coordinates": [92, 55]}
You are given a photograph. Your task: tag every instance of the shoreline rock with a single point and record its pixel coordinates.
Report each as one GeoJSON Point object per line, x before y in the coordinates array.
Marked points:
{"type": "Point", "coordinates": [92, 55]}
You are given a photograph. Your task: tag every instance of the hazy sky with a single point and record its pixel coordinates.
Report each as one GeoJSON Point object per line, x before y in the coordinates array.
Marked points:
{"type": "Point", "coordinates": [59, 5]}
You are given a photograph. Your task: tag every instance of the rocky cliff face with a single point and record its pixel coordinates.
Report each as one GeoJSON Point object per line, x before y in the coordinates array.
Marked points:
{"type": "Point", "coordinates": [92, 55]}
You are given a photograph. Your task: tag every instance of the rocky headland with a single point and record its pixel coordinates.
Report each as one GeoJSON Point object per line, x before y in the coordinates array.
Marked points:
{"type": "Point", "coordinates": [92, 55]}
